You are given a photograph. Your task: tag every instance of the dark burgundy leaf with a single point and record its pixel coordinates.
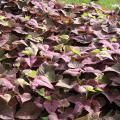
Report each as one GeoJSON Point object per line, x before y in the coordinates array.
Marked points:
{"type": "Point", "coordinates": [6, 111]}
{"type": "Point", "coordinates": [25, 97]}
{"type": "Point", "coordinates": [28, 111]}
{"type": "Point", "coordinates": [4, 39]}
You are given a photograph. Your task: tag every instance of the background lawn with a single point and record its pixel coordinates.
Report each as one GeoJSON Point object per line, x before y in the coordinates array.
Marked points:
{"type": "Point", "coordinates": [109, 4]}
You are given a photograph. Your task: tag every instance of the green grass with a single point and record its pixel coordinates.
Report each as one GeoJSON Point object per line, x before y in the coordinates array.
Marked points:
{"type": "Point", "coordinates": [108, 4]}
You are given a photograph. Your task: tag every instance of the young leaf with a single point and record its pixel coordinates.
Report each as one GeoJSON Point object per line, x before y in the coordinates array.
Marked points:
{"type": "Point", "coordinates": [64, 38]}
{"type": "Point", "coordinates": [44, 118]}
{"type": "Point", "coordinates": [2, 18]}
{"type": "Point", "coordinates": [41, 92]}
{"type": "Point", "coordinates": [96, 51]}
{"type": "Point", "coordinates": [75, 51]}
{"type": "Point", "coordinates": [26, 18]}
{"type": "Point", "coordinates": [98, 89]}
{"type": "Point", "coordinates": [30, 73]}
{"type": "Point", "coordinates": [89, 88]}
{"type": "Point", "coordinates": [21, 82]}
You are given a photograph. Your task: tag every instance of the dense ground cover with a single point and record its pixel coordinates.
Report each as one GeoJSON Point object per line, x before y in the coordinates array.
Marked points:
{"type": "Point", "coordinates": [107, 4]}
{"type": "Point", "coordinates": [58, 62]}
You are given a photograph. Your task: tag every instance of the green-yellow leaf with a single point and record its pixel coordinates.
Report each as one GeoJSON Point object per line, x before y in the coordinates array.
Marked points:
{"type": "Point", "coordinates": [21, 82]}
{"type": "Point", "coordinates": [75, 51]}
{"type": "Point", "coordinates": [98, 89]}
{"type": "Point", "coordinates": [59, 47]}
{"type": "Point", "coordinates": [29, 37]}
{"type": "Point", "coordinates": [104, 49]}
{"type": "Point", "coordinates": [30, 73]}
{"type": "Point", "coordinates": [26, 18]}
{"type": "Point", "coordinates": [41, 92]}
{"type": "Point", "coordinates": [40, 39]}
{"type": "Point", "coordinates": [2, 18]}
{"type": "Point", "coordinates": [64, 38]}
{"type": "Point", "coordinates": [26, 52]}
{"type": "Point", "coordinates": [44, 118]}
{"type": "Point", "coordinates": [48, 97]}
{"type": "Point", "coordinates": [113, 39]}
{"type": "Point", "coordinates": [90, 89]}
{"type": "Point", "coordinates": [85, 14]}
{"type": "Point", "coordinates": [17, 64]}
{"type": "Point", "coordinates": [96, 51]}
{"type": "Point", "coordinates": [5, 23]}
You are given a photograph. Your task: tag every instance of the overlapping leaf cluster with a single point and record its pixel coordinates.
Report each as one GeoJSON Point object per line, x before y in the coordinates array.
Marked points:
{"type": "Point", "coordinates": [58, 61]}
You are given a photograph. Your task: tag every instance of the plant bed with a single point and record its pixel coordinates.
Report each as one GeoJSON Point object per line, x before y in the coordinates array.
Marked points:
{"type": "Point", "coordinates": [58, 62]}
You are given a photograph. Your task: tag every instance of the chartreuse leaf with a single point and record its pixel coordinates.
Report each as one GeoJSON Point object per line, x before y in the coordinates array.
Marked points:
{"type": "Point", "coordinates": [85, 14]}
{"type": "Point", "coordinates": [5, 23]}
{"type": "Point", "coordinates": [30, 73]}
{"type": "Point", "coordinates": [96, 51]}
{"type": "Point", "coordinates": [64, 38]}
{"type": "Point", "coordinates": [62, 47]}
{"type": "Point", "coordinates": [29, 37]}
{"type": "Point", "coordinates": [90, 89]}
{"type": "Point", "coordinates": [40, 39]}
{"type": "Point", "coordinates": [28, 51]}
{"type": "Point", "coordinates": [21, 82]}
{"type": "Point", "coordinates": [41, 92]}
{"type": "Point", "coordinates": [26, 18]}
{"type": "Point", "coordinates": [100, 14]}
{"type": "Point", "coordinates": [113, 39]}
{"type": "Point", "coordinates": [102, 52]}
{"type": "Point", "coordinates": [59, 47]}
{"type": "Point", "coordinates": [66, 48]}
{"type": "Point", "coordinates": [2, 18]}
{"type": "Point", "coordinates": [17, 64]}
{"type": "Point", "coordinates": [44, 118]}
{"type": "Point", "coordinates": [48, 97]}
{"type": "Point", "coordinates": [98, 89]}
{"type": "Point", "coordinates": [75, 51]}
{"type": "Point", "coordinates": [99, 77]}
{"type": "Point", "coordinates": [104, 49]}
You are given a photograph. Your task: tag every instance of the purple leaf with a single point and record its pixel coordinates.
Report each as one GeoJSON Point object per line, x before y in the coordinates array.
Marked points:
{"type": "Point", "coordinates": [65, 83]}
{"type": "Point", "coordinates": [30, 61]}
{"type": "Point", "coordinates": [33, 23]}
{"type": "Point", "coordinates": [20, 31]}
{"type": "Point", "coordinates": [25, 97]}
{"type": "Point", "coordinates": [41, 81]}
{"type": "Point", "coordinates": [78, 107]}
{"type": "Point", "coordinates": [72, 72]}
{"type": "Point", "coordinates": [51, 106]}
{"type": "Point", "coordinates": [53, 116]}
{"type": "Point", "coordinates": [6, 83]}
